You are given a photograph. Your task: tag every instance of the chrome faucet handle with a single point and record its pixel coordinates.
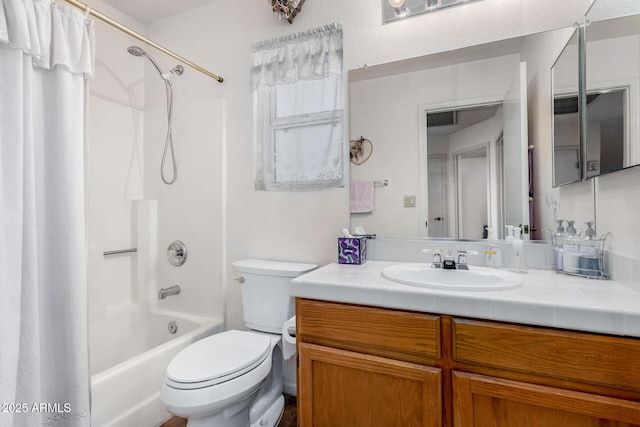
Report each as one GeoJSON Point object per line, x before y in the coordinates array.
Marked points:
{"type": "Point", "coordinates": [462, 259]}
{"type": "Point", "coordinates": [437, 257]}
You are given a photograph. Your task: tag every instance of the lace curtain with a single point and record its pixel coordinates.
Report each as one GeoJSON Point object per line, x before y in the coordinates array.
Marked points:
{"type": "Point", "coordinates": [297, 83]}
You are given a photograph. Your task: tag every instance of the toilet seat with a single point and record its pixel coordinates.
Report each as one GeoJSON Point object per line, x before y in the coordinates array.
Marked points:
{"type": "Point", "coordinates": [217, 359]}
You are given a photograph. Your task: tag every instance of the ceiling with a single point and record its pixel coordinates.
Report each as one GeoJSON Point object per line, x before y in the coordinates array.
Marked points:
{"type": "Point", "coordinates": [465, 117]}
{"type": "Point", "coordinates": [148, 11]}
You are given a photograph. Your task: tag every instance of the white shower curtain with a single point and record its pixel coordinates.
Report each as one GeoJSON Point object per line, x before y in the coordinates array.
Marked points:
{"type": "Point", "coordinates": [45, 54]}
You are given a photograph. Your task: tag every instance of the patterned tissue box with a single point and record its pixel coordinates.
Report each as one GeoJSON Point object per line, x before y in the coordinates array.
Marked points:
{"type": "Point", "coordinates": [352, 250]}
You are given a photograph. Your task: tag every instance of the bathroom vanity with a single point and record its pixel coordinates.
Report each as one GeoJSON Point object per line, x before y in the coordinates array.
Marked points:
{"type": "Point", "coordinates": [559, 351]}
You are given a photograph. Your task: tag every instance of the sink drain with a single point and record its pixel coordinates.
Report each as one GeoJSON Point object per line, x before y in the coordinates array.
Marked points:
{"type": "Point", "coordinates": [173, 327]}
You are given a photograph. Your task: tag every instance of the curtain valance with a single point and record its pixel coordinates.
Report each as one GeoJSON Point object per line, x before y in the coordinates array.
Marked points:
{"type": "Point", "coordinates": [315, 54]}
{"type": "Point", "coordinates": [52, 34]}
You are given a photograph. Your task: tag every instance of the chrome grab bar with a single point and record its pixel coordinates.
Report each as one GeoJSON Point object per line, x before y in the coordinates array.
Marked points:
{"type": "Point", "coordinates": [120, 251]}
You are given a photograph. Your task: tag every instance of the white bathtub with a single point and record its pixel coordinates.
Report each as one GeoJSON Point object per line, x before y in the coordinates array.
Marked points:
{"type": "Point", "coordinates": [129, 354]}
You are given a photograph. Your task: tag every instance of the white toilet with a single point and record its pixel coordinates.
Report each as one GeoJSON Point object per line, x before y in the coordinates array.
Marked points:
{"type": "Point", "coordinates": [234, 379]}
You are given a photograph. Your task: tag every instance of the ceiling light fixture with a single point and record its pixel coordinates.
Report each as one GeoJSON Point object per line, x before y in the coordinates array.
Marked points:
{"type": "Point", "coordinates": [393, 10]}
{"type": "Point", "coordinates": [399, 8]}
{"type": "Point", "coordinates": [430, 5]}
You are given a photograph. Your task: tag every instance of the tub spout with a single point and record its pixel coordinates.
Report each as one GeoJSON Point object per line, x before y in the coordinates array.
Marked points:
{"type": "Point", "coordinates": [171, 290]}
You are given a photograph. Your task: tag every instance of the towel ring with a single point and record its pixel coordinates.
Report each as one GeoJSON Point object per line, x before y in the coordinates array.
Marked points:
{"type": "Point", "coordinates": [360, 150]}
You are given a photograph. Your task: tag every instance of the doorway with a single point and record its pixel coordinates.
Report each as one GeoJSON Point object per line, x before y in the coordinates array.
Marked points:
{"type": "Point", "coordinates": [463, 170]}
{"type": "Point", "coordinates": [472, 192]}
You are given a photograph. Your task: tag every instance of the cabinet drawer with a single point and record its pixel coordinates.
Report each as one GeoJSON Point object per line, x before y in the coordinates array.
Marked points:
{"type": "Point", "coordinates": [596, 359]}
{"type": "Point", "coordinates": [402, 335]}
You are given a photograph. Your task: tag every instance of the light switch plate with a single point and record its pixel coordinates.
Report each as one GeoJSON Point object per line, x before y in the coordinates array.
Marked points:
{"type": "Point", "coordinates": [409, 201]}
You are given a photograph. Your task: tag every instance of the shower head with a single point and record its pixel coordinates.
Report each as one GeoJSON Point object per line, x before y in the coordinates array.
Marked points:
{"type": "Point", "coordinates": [136, 51]}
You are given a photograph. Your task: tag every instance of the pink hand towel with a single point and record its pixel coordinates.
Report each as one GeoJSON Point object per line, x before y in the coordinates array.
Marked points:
{"type": "Point", "coordinates": [361, 196]}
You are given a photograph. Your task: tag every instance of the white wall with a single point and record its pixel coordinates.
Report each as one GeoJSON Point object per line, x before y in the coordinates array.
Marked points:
{"type": "Point", "coordinates": [118, 76]}
{"type": "Point", "coordinates": [121, 118]}
{"type": "Point", "coordinates": [115, 179]}
{"type": "Point", "coordinates": [618, 204]}
{"type": "Point", "coordinates": [115, 166]}
{"type": "Point", "coordinates": [303, 226]}
{"type": "Point", "coordinates": [190, 210]}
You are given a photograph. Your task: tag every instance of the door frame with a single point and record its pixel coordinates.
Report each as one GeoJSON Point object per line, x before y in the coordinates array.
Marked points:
{"type": "Point", "coordinates": [423, 175]}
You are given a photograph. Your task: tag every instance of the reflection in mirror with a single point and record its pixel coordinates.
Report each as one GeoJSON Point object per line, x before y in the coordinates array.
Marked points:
{"type": "Point", "coordinates": [612, 83]}
{"type": "Point", "coordinates": [566, 118]}
{"type": "Point", "coordinates": [472, 138]}
{"type": "Point", "coordinates": [462, 175]}
{"type": "Point", "coordinates": [607, 139]}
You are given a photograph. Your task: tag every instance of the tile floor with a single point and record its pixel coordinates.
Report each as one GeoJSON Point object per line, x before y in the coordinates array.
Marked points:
{"type": "Point", "coordinates": [289, 418]}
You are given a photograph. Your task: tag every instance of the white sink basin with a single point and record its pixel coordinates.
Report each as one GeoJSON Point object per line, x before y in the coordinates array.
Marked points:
{"type": "Point", "coordinates": [474, 279]}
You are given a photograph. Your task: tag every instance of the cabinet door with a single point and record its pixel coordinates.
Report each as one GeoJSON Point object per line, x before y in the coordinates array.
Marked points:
{"type": "Point", "coordinates": [480, 401]}
{"type": "Point", "coordinates": [340, 388]}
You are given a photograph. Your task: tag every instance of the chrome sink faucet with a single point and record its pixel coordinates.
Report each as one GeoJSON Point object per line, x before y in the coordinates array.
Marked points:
{"type": "Point", "coordinates": [448, 263]}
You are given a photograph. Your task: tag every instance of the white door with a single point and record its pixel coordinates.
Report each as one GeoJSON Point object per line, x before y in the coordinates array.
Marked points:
{"type": "Point", "coordinates": [435, 222]}
{"type": "Point", "coordinates": [472, 193]}
{"type": "Point", "coordinates": [515, 151]}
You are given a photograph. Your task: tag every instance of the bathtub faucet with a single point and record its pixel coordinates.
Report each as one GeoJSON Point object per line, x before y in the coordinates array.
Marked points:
{"type": "Point", "coordinates": [171, 290]}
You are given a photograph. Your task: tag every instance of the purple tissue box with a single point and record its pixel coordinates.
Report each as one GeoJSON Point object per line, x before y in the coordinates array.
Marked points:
{"type": "Point", "coordinates": [352, 250]}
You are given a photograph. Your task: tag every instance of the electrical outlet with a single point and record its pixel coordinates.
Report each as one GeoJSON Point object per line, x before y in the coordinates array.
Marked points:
{"type": "Point", "coordinates": [409, 201]}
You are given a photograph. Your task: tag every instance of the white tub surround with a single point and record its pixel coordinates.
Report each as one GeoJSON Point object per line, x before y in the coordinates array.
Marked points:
{"type": "Point", "coordinates": [545, 299]}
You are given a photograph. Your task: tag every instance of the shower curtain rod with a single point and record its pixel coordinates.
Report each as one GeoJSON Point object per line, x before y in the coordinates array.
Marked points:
{"type": "Point", "coordinates": [140, 37]}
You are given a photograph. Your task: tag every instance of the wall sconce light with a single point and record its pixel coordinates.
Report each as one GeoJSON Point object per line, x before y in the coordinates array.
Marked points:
{"type": "Point", "coordinates": [393, 10]}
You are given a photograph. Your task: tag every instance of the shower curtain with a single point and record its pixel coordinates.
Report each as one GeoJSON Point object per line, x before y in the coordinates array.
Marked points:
{"type": "Point", "coordinates": [46, 52]}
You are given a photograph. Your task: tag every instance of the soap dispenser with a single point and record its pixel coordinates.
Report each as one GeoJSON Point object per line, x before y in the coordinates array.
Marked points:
{"type": "Point", "coordinates": [518, 263]}
{"type": "Point", "coordinates": [589, 233]}
{"type": "Point", "coordinates": [589, 260]}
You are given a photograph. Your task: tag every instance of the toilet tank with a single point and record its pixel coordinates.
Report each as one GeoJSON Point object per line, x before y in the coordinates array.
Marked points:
{"type": "Point", "coordinates": [266, 292]}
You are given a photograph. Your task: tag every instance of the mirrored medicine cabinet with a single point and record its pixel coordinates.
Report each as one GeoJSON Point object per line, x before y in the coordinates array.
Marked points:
{"type": "Point", "coordinates": [596, 95]}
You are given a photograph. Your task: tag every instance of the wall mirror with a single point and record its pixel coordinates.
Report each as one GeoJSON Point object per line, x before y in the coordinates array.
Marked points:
{"type": "Point", "coordinates": [612, 83]}
{"type": "Point", "coordinates": [449, 133]}
{"type": "Point", "coordinates": [567, 148]}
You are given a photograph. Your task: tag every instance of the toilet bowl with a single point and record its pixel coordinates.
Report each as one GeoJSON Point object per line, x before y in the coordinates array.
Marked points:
{"type": "Point", "coordinates": [234, 379]}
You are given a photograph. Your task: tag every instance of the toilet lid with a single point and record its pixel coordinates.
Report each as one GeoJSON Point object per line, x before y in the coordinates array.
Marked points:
{"type": "Point", "coordinates": [218, 358]}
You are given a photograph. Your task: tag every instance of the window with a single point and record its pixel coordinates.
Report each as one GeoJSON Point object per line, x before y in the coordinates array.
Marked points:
{"type": "Point", "coordinates": [298, 99]}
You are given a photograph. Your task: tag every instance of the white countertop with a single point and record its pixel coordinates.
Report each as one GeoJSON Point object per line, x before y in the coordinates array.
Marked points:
{"type": "Point", "coordinates": [545, 299]}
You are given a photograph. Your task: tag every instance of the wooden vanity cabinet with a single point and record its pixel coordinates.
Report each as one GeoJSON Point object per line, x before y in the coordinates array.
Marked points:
{"type": "Point", "coordinates": [510, 376]}
{"type": "Point", "coordinates": [490, 401]}
{"type": "Point", "coordinates": [367, 366]}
